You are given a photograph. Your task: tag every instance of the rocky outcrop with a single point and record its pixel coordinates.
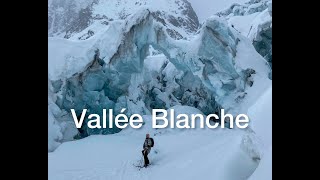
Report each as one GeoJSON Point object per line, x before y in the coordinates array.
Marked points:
{"type": "Point", "coordinates": [81, 19]}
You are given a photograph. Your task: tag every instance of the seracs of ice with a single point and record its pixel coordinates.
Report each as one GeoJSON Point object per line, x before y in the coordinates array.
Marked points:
{"type": "Point", "coordinates": [261, 34]}
{"type": "Point", "coordinates": [247, 8]}
{"type": "Point", "coordinates": [60, 127]}
{"type": "Point", "coordinates": [254, 20]}
{"type": "Point", "coordinates": [109, 71]}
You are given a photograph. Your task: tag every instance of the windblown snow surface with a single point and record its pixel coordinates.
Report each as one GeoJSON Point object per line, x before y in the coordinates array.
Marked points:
{"type": "Point", "coordinates": [218, 154]}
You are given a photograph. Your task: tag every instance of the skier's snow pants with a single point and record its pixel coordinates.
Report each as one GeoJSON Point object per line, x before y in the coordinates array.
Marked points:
{"type": "Point", "coordinates": [145, 156]}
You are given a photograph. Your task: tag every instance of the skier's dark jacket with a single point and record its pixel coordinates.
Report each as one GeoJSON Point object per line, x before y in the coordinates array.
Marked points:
{"type": "Point", "coordinates": [148, 143]}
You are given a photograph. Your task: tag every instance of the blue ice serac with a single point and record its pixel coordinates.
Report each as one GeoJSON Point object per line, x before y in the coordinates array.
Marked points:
{"type": "Point", "coordinates": [205, 73]}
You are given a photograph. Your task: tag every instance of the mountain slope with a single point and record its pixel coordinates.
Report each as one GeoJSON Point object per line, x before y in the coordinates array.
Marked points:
{"type": "Point", "coordinates": [81, 19]}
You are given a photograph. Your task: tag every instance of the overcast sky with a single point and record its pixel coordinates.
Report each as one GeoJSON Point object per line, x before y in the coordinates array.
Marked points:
{"type": "Point", "coordinates": [206, 8]}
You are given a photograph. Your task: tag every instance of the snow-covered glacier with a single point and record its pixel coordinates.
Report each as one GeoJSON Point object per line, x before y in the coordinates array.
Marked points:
{"type": "Point", "coordinates": [102, 74]}
{"type": "Point", "coordinates": [141, 55]}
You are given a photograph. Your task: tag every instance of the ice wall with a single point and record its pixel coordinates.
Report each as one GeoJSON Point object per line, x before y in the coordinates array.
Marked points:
{"type": "Point", "coordinates": [201, 72]}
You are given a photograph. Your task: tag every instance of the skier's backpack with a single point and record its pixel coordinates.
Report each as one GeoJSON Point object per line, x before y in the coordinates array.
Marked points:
{"type": "Point", "coordinates": [152, 144]}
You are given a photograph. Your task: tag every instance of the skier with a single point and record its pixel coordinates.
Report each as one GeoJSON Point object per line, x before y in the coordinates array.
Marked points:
{"type": "Point", "coordinates": [148, 143]}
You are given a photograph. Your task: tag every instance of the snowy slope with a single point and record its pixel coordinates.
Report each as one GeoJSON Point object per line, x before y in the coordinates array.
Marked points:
{"type": "Point", "coordinates": [264, 170]}
{"type": "Point", "coordinates": [243, 23]}
{"type": "Point", "coordinates": [261, 113]}
{"type": "Point", "coordinates": [198, 154]}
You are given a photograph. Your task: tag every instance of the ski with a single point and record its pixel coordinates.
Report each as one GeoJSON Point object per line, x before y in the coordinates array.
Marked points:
{"type": "Point", "coordinates": [138, 166]}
